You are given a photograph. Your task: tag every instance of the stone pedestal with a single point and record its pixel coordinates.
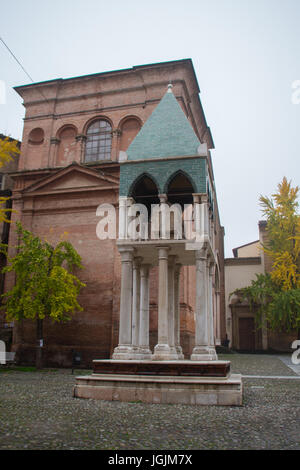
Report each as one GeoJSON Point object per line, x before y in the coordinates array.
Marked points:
{"type": "Point", "coordinates": [177, 382]}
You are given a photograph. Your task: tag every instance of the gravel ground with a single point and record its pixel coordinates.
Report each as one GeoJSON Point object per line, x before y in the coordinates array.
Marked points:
{"type": "Point", "coordinates": [257, 364]}
{"type": "Point", "coordinates": [37, 411]}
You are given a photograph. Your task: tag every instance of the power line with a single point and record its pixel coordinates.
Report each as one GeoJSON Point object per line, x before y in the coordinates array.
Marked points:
{"type": "Point", "coordinates": [16, 59]}
{"type": "Point", "coordinates": [18, 62]}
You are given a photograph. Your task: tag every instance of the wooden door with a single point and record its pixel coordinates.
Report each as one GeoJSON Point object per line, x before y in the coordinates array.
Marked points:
{"type": "Point", "coordinates": [247, 334]}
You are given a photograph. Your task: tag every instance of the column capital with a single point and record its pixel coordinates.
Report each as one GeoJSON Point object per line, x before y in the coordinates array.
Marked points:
{"type": "Point", "coordinates": [122, 200]}
{"type": "Point", "coordinates": [81, 138]}
{"type": "Point", "coordinates": [163, 198]}
{"type": "Point", "coordinates": [116, 133]}
{"type": "Point", "coordinates": [54, 140]}
{"type": "Point", "coordinates": [126, 254]}
{"type": "Point", "coordinates": [200, 197]}
{"type": "Point", "coordinates": [129, 201]}
{"type": "Point", "coordinates": [163, 251]}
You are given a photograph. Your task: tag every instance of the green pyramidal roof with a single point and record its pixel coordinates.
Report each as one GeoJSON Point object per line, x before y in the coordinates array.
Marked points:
{"type": "Point", "coordinates": [166, 133]}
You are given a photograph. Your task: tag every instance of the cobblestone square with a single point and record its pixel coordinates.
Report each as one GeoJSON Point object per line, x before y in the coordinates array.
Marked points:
{"type": "Point", "coordinates": [37, 411]}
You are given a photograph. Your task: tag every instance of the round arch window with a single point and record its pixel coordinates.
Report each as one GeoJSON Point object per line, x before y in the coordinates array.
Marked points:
{"type": "Point", "coordinates": [98, 142]}
{"type": "Point", "coordinates": [36, 136]}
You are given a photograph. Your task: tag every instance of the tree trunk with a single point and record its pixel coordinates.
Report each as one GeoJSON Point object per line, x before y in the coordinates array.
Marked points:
{"type": "Point", "coordinates": [39, 344]}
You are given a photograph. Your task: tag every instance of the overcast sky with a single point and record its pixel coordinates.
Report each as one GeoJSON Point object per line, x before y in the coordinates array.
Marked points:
{"type": "Point", "coordinates": [246, 55]}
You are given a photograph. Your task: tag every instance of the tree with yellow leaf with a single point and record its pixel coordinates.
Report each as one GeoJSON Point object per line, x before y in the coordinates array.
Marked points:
{"type": "Point", "coordinates": [276, 295]}
{"type": "Point", "coordinates": [9, 149]}
{"type": "Point", "coordinates": [283, 225]}
{"type": "Point", "coordinates": [45, 285]}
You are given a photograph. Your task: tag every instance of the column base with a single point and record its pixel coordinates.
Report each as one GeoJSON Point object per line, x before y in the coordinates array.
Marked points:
{"type": "Point", "coordinates": [143, 352]}
{"type": "Point", "coordinates": [204, 353]}
{"type": "Point", "coordinates": [164, 352]}
{"type": "Point", "coordinates": [179, 353]}
{"type": "Point", "coordinates": [124, 353]}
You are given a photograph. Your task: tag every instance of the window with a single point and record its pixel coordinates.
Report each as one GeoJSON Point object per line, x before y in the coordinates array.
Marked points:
{"type": "Point", "coordinates": [98, 143]}
{"type": "Point", "coordinates": [36, 136]}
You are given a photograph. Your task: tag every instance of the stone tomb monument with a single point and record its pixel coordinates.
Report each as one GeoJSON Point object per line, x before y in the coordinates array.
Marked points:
{"type": "Point", "coordinates": [166, 185]}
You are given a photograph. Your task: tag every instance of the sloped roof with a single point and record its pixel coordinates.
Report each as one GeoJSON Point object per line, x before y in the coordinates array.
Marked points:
{"type": "Point", "coordinates": [166, 133]}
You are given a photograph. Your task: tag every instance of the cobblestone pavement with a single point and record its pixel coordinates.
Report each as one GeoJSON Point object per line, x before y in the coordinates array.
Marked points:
{"type": "Point", "coordinates": [37, 411]}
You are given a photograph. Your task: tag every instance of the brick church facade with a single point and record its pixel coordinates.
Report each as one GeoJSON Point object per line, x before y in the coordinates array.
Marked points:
{"type": "Point", "coordinates": [75, 131]}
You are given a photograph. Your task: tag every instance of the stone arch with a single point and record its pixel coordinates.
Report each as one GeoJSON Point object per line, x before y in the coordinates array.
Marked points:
{"type": "Point", "coordinates": [100, 117]}
{"type": "Point", "coordinates": [145, 190]}
{"type": "Point", "coordinates": [180, 187]}
{"type": "Point", "coordinates": [62, 129]}
{"type": "Point", "coordinates": [98, 143]}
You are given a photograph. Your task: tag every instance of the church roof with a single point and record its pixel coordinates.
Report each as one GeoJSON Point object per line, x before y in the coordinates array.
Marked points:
{"type": "Point", "coordinates": [166, 133]}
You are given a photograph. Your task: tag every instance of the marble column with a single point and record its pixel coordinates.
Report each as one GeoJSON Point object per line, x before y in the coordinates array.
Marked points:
{"type": "Point", "coordinates": [125, 350]}
{"type": "Point", "coordinates": [122, 217]}
{"type": "Point", "coordinates": [197, 217]}
{"type": "Point", "coordinates": [204, 211]}
{"type": "Point", "coordinates": [162, 350]}
{"type": "Point", "coordinates": [218, 326]}
{"type": "Point", "coordinates": [171, 303]}
{"type": "Point", "coordinates": [130, 228]}
{"type": "Point", "coordinates": [202, 350]}
{"type": "Point", "coordinates": [211, 336]}
{"type": "Point", "coordinates": [177, 311]}
{"type": "Point", "coordinates": [143, 350]}
{"type": "Point", "coordinates": [164, 228]}
{"type": "Point", "coordinates": [136, 301]}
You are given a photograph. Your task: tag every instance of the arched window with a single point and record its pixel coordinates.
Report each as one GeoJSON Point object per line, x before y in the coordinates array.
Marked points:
{"type": "Point", "coordinates": [98, 142]}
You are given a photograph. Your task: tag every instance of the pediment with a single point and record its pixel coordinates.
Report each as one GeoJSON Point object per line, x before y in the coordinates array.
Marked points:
{"type": "Point", "coordinates": [73, 178]}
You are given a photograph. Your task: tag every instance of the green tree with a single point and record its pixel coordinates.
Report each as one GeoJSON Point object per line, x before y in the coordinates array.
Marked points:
{"type": "Point", "coordinates": [9, 149]}
{"type": "Point", "coordinates": [276, 295]}
{"type": "Point", "coordinates": [45, 285]}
